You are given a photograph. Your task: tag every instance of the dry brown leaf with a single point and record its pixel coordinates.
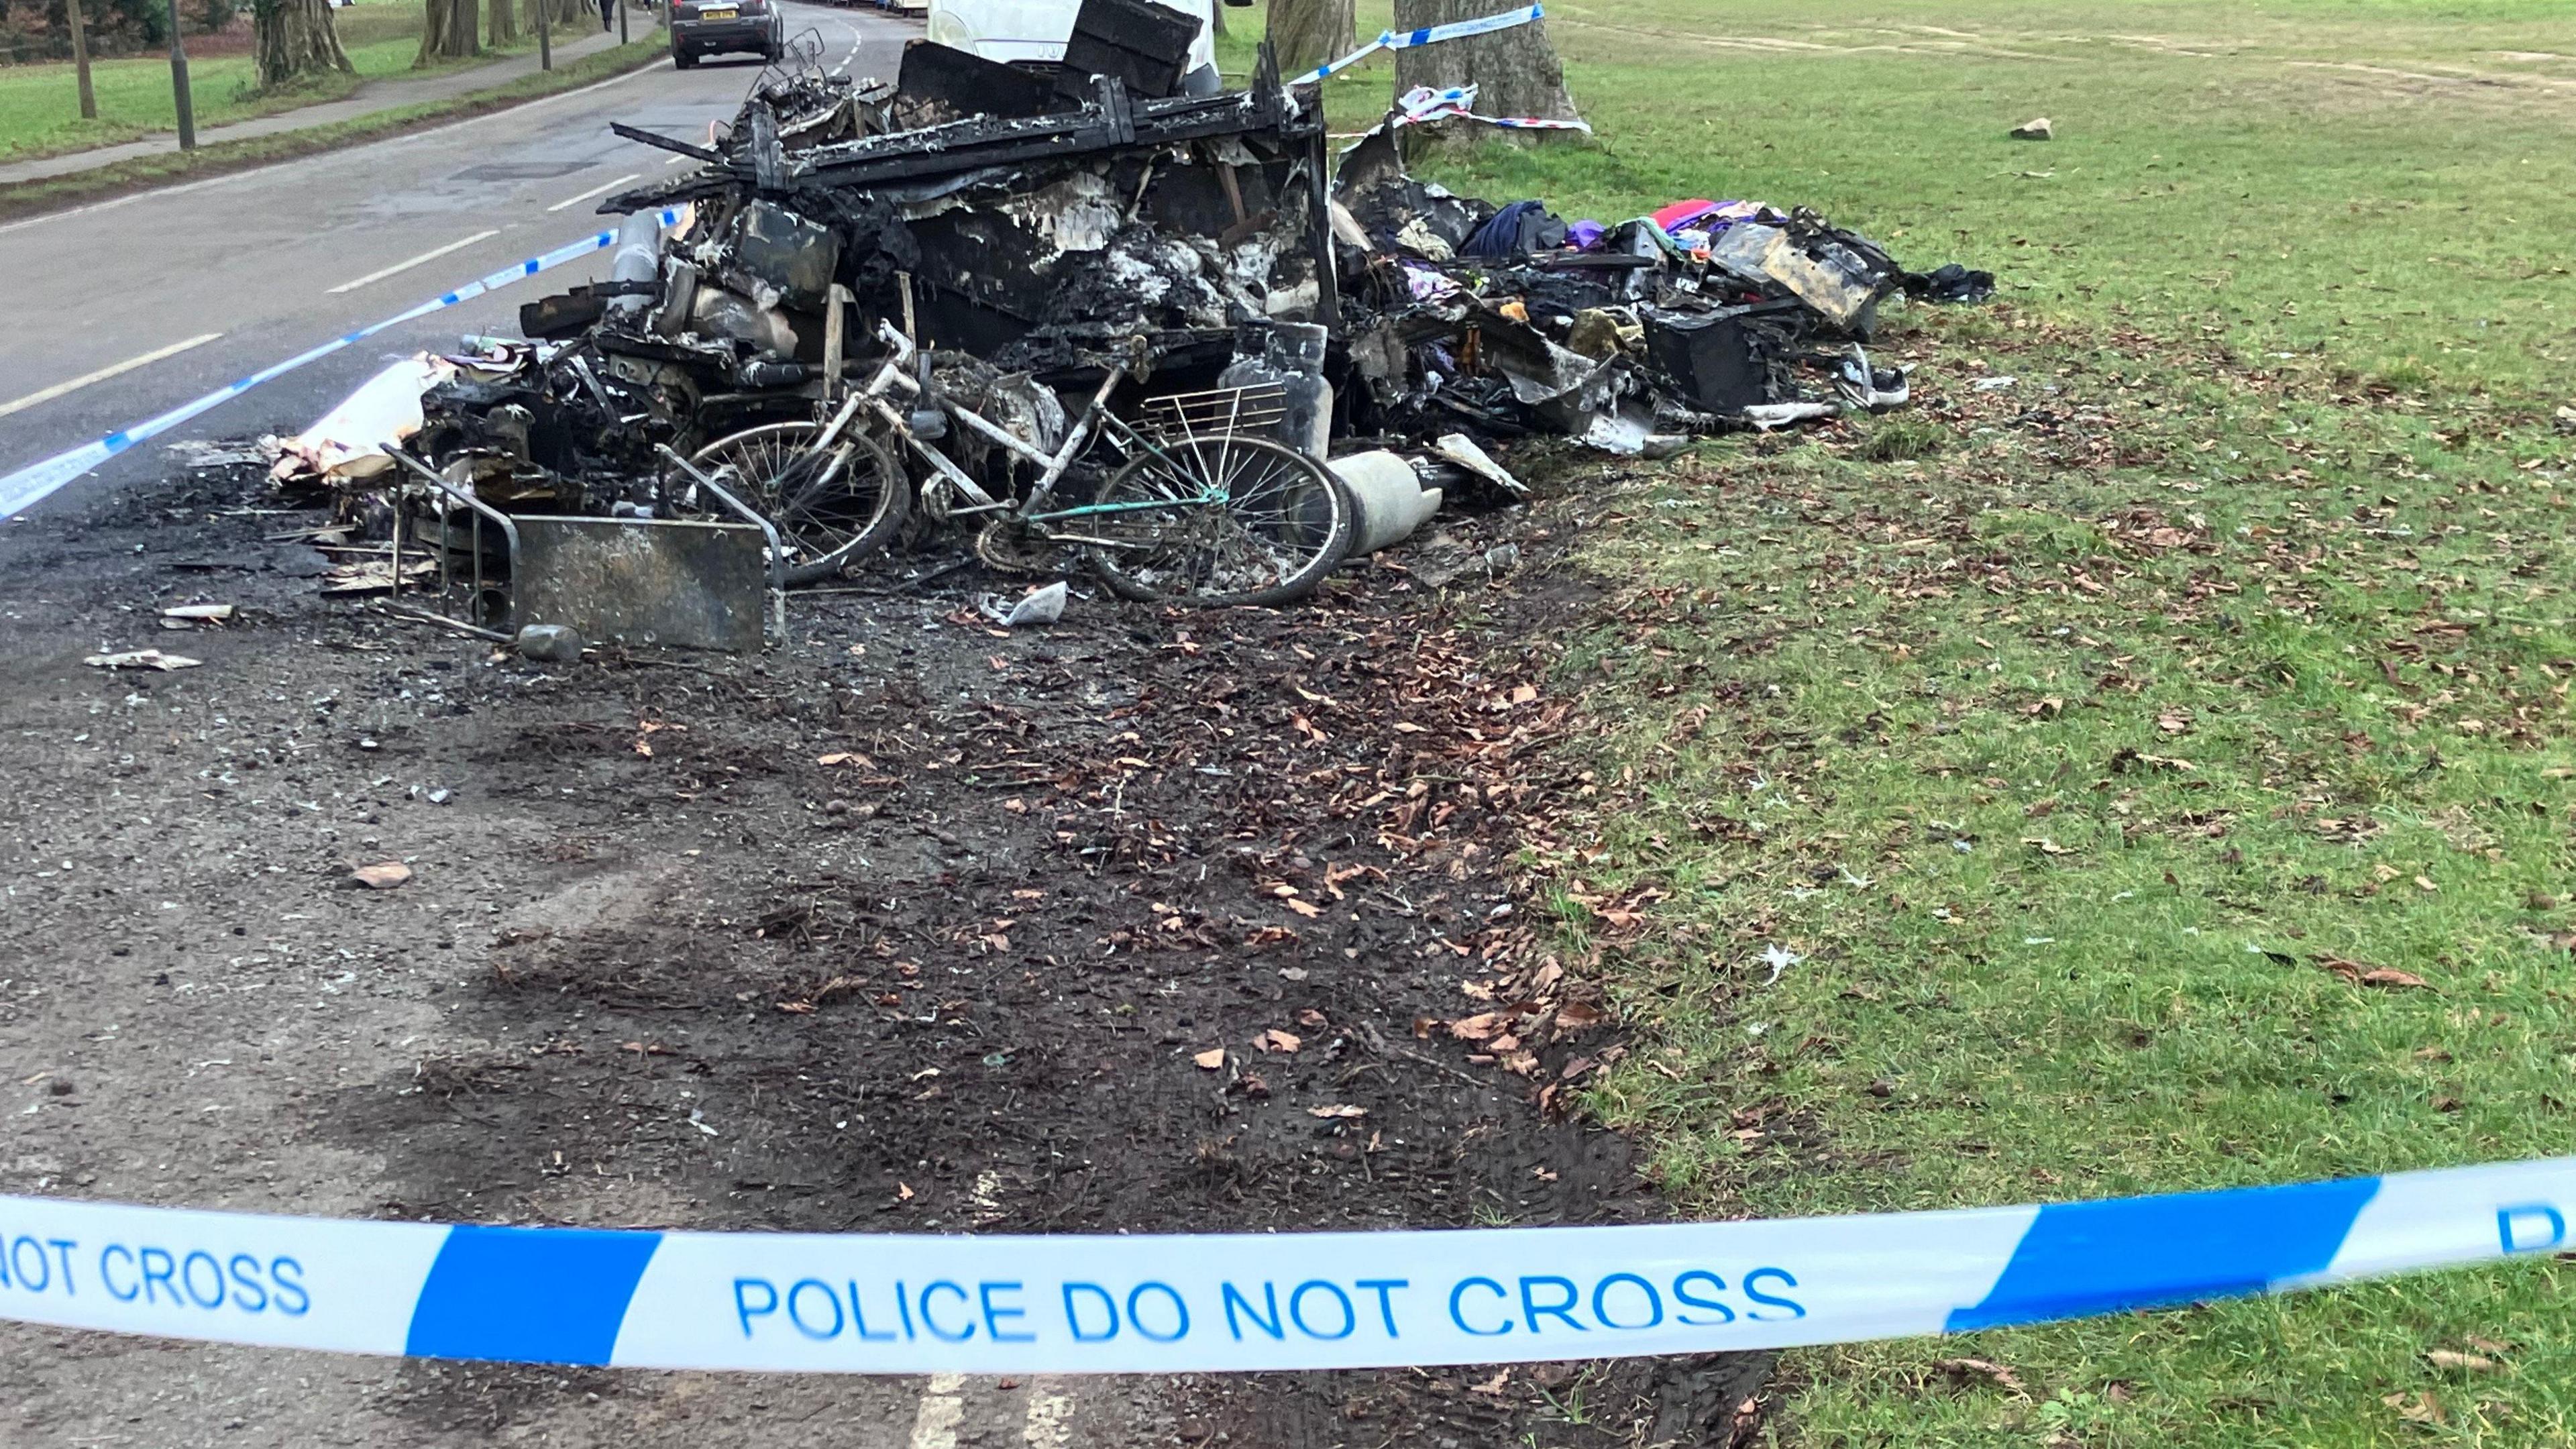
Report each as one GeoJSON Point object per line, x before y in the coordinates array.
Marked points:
{"type": "Point", "coordinates": [2045, 845]}
{"type": "Point", "coordinates": [1978, 1368]}
{"type": "Point", "coordinates": [1275, 1040]}
{"type": "Point", "coordinates": [1211, 1059]}
{"type": "Point", "coordinates": [1337, 1111]}
{"type": "Point", "coordinates": [1477, 1027]}
{"type": "Point", "coordinates": [384, 875]}
{"type": "Point", "coordinates": [1303, 908]}
{"type": "Point", "coordinates": [2472, 1363]}
{"type": "Point", "coordinates": [2416, 1408]}
{"type": "Point", "coordinates": [846, 757]}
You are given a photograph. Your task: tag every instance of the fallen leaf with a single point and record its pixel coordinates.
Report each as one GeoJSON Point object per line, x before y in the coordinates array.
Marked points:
{"type": "Point", "coordinates": [1211, 1059]}
{"type": "Point", "coordinates": [1303, 908]}
{"type": "Point", "coordinates": [1310, 1017]}
{"type": "Point", "coordinates": [846, 757]}
{"type": "Point", "coordinates": [2045, 845]}
{"type": "Point", "coordinates": [1477, 1027]}
{"type": "Point", "coordinates": [1993, 1373]}
{"type": "Point", "coordinates": [1337, 1111]}
{"type": "Point", "coordinates": [1492, 1385]}
{"type": "Point", "coordinates": [2362, 973]}
{"type": "Point", "coordinates": [903, 1192]}
{"type": "Point", "coordinates": [2473, 1363]}
{"type": "Point", "coordinates": [199, 613]}
{"type": "Point", "coordinates": [382, 876]}
{"type": "Point", "coordinates": [1275, 1040]}
{"type": "Point", "coordinates": [2416, 1408]}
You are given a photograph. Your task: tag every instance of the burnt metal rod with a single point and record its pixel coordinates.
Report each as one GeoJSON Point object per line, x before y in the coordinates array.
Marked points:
{"type": "Point", "coordinates": [638, 133]}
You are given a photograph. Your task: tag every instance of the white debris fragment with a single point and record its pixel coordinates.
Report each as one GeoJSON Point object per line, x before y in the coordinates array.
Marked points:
{"type": "Point", "coordinates": [142, 659]}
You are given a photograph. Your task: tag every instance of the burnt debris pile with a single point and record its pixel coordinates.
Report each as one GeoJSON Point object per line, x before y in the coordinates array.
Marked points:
{"type": "Point", "coordinates": [1106, 312]}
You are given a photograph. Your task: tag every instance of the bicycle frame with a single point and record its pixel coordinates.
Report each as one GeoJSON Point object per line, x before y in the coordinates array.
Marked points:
{"type": "Point", "coordinates": [894, 376]}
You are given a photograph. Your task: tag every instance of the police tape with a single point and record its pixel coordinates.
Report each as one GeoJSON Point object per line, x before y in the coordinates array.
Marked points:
{"type": "Point", "coordinates": [1428, 35]}
{"type": "Point", "coordinates": [1457, 103]}
{"type": "Point", "coordinates": [23, 489]}
{"type": "Point", "coordinates": [1230, 1302]}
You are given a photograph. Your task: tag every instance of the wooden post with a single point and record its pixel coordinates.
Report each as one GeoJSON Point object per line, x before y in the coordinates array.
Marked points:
{"type": "Point", "coordinates": [545, 35]}
{"type": "Point", "coordinates": [80, 60]}
{"type": "Point", "coordinates": [179, 83]}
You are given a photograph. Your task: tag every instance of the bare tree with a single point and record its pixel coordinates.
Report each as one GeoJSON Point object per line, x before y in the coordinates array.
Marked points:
{"type": "Point", "coordinates": [292, 39]}
{"type": "Point", "coordinates": [501, 22]}
{"type": "Point", "coordinates": [1516, 71]}
{"type": "Point", "coordinates": [1306, 33]}
{"type": "Point", "coordinates": [447, 30]}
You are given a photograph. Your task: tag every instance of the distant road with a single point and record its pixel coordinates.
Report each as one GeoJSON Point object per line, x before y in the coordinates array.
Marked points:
{"type": "Point", "coordinates": [126, 308]}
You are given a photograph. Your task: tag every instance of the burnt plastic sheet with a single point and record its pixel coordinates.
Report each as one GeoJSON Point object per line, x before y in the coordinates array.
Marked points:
{"type": "Point", "coordinates": [940, 84]}
{"type": "Point", "coordinates": [1145, 45]}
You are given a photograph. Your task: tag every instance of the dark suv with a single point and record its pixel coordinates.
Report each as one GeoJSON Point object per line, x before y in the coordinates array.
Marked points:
{"type": "Point", "coordinates": [716, 27]}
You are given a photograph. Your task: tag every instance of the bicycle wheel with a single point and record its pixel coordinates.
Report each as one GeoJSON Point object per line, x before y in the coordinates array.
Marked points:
{"type": "Point", "coordinates": [829, 507]}
{"type": "Point", "coordinates": [1230, 520]}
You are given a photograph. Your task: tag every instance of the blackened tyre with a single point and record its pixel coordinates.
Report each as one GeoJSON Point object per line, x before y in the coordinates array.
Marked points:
{"type": "Point", "coordinates": [1214, 521]}
{"type": "Point", "coordinates": [831, 508]}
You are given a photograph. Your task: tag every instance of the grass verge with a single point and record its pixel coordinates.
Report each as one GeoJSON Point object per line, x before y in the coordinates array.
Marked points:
{"type": "Point", "coordinates": [39, 115]}
{"type": "Point", "coordinates": [54, 193]}
{"type": "Point", "coordinates": [2159, 763]}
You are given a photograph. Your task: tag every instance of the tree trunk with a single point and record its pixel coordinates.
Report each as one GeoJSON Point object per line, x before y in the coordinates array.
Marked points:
{"type": "Point", "coordinates": [1515, 71]}
{"type": "Point", "coordinates": [292, 39]}
{"type": "Point", "coordinates": [80, 59]}
{"type": "Point", "coordinates": [501, 22]}
{"type": "Point", "coordinates": [1306, 33]}
{"type": "Point", "coordinates": [1216, 21]}
{"type": "Point", "coordinates": [447, 30]}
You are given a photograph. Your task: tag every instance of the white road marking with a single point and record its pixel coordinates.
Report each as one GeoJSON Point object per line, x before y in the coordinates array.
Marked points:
{"type": "Point", "coordinates": [935, 1427]}
{"type": "Point", "coordinates": [858, 38]}
{"type": "Point", "coordinates": [594, 191]}
{"type": "Point", "coordinates": [431, 255]}
{"type": "Point", "coordinates": [103, 374]}
{"type": "Point", "coordinates": [1050, 1423]}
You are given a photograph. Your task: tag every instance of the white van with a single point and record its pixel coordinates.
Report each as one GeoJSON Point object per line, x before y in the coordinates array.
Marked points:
{"type": "Point", "coordinates": [1008, 30]}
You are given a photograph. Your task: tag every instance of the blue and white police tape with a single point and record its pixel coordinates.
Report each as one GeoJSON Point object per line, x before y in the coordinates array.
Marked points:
{"type": "Point", "coordinates": [23, 489]}
{"type": "Point", "coordinates": [1429, 35]}
{"type": "Point", "coordinates": [1458, 103]}
{"type": "Point", "coordinates": [1144, 1304]}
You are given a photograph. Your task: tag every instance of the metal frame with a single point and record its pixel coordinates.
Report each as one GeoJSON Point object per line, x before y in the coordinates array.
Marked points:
{"type": "Point", "coordinates": [446, 549]}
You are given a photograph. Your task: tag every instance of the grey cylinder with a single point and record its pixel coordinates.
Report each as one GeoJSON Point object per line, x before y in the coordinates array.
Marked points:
{"type": "Point", "coordinates": [638, 259]}
{"type": "Point", "coordinates": [1291, 356]}
{"type": "Point", "coordinates": [1392, 501]}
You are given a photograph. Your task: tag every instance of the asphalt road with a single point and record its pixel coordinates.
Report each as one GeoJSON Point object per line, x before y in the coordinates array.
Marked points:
{"type": "Point", "coordinates": [133, 306]}
{"type": "Point", "coordinates": [129, 307]}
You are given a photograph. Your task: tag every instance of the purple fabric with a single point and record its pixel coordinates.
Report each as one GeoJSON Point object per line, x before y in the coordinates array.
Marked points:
{"type": "Point", "coordinates": [1584, 235]}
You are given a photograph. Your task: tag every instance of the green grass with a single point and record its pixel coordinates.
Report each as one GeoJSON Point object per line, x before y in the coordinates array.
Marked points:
{"type": "Point", "coordinates": [40, 104]}
{"type": "Point", "coordinates": [53, 193]}
{"type": "Point", "coordinates": [2071, 731]}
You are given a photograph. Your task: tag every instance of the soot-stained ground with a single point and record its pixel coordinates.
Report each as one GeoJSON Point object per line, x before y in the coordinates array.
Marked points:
{"type": "Point", "coordinates": [1146, 921]}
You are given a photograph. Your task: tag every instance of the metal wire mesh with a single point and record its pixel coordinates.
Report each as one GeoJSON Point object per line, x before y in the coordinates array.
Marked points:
{"type": "Point", "coordinates": [1223, 412]}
